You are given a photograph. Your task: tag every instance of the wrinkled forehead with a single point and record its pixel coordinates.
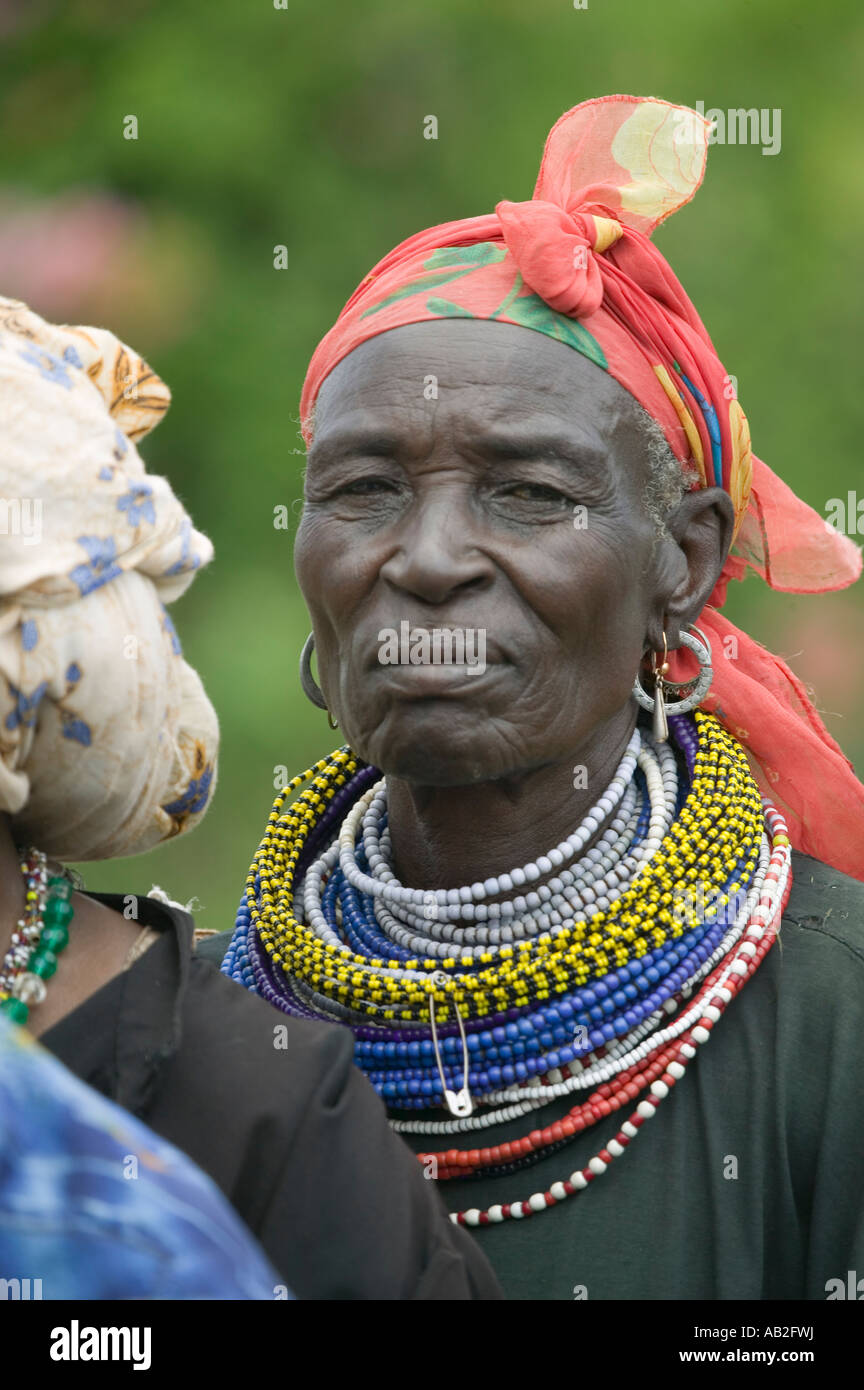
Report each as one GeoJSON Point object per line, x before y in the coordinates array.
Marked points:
{"type": "Point", "coordinates": [469, 376]}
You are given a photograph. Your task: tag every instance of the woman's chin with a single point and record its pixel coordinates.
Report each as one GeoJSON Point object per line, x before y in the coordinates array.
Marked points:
{"type": "Point", "coordinates": [435, 753]}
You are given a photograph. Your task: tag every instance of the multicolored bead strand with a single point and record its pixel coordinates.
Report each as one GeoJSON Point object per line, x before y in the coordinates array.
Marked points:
{"type": "Point", "coordinates": [41, 935]}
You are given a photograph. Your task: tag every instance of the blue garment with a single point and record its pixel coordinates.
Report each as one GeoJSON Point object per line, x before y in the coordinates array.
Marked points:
{"type": "Point", "coordinates": [94, 1205]}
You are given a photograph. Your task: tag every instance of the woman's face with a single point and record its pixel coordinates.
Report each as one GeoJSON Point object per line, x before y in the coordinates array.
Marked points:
{"type": "Point", "coordinates": [480, 477]}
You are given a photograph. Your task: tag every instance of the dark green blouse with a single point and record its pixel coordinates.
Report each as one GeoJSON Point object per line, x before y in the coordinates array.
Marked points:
{"type": "Point", "coordinates": [749, 1181]}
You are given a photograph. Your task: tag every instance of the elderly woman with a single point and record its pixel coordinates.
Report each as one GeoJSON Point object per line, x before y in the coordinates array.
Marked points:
{"type": "Point", "coordinates": [108, 747]}
{"type": "Point", "coordinates": [529, 482]}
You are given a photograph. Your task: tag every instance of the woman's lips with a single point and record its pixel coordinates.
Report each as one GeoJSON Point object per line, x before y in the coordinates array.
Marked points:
{"type": "Point", "coordinates": [449, 640]}
{"type": "Point", "coordinates": [444, 679]}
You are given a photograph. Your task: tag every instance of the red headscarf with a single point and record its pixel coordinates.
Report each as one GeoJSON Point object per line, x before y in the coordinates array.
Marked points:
{"type": "Point", "coordinates": [575, 262]}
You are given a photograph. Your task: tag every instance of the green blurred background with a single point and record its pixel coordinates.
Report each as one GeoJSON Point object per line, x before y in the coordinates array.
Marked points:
{"type": "Point", "coordinates": [303, 127]}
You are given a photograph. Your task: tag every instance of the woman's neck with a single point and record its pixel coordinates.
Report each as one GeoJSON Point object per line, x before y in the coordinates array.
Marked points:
{"type": "Point", "coordinates": [11, 883]}
{"type": "Point", "coordinates": [443, 837]}
{"type": "Point", "coordinates": [99, 940]}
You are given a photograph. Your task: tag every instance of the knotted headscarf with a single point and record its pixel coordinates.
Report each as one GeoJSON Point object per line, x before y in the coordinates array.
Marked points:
{"type": "Point", "coordinates": [107, 740]}
{"type": "Point", "coordinates": [576, 262]}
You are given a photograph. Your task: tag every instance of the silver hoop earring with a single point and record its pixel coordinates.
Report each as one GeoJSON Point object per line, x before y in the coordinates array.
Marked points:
{"type": "Point", "coordinates": [311, 689]}
{"type": "Point", "coordinates": [700, 684]}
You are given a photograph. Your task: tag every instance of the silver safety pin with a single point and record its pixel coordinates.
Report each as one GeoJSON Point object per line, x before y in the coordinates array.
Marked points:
{"type": "Point", "coordinates": [458, 1102]}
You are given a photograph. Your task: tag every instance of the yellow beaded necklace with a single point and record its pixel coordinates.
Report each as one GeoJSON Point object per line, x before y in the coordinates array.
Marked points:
{"type": "Point", "coordinates": [716, 835]}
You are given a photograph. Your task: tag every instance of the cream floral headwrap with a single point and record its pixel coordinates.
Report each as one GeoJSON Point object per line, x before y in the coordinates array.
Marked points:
{"type": "Point", "coordinates": [108, 741]}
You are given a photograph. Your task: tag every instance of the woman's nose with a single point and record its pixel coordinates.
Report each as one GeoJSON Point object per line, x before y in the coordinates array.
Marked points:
{"type": "Point", "coordinates": [437, 553]}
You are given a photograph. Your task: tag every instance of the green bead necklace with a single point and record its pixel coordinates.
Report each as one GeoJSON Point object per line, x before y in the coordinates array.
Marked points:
{"type": "Point", "coordinates": [40, 937]}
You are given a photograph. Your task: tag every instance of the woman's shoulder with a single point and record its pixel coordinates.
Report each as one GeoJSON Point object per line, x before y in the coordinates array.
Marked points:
{"type": "Point", "coordinates": [815, 972]}
{"type": "Point", "coordinates": [827, 904]}
{"type": "Point", "coordinates": [292, 1057]}
{"type": "Point", "coordinates": [304, 1150]}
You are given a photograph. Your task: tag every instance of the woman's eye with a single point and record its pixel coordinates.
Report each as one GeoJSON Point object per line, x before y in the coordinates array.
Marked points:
{"type": "Point", "coordinates": [535, 492]}
{"type": "Point", "coordinates": [363, 486]}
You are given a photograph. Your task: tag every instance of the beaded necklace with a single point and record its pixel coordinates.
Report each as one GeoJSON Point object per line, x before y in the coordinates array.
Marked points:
{"type": "Point", "coordinates": [39, 938]}
{"type": "Point", "coordinates": [509, 993]}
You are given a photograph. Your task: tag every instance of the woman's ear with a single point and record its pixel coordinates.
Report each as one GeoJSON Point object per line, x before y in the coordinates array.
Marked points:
{"type": "Point", "coordinates": [701, 529]}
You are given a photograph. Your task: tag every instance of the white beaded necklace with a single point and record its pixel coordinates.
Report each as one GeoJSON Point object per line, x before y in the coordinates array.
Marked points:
{"type": "Point", "coordinates": [571, 896]}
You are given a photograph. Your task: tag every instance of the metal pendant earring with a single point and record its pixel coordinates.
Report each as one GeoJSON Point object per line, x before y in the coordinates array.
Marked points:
{"type": "Point", "coordinates": [697, 688]}
{"type": "Point", "coordinates": [311, 689]}
{"type": "Point", "coordinates": [661, 728]}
